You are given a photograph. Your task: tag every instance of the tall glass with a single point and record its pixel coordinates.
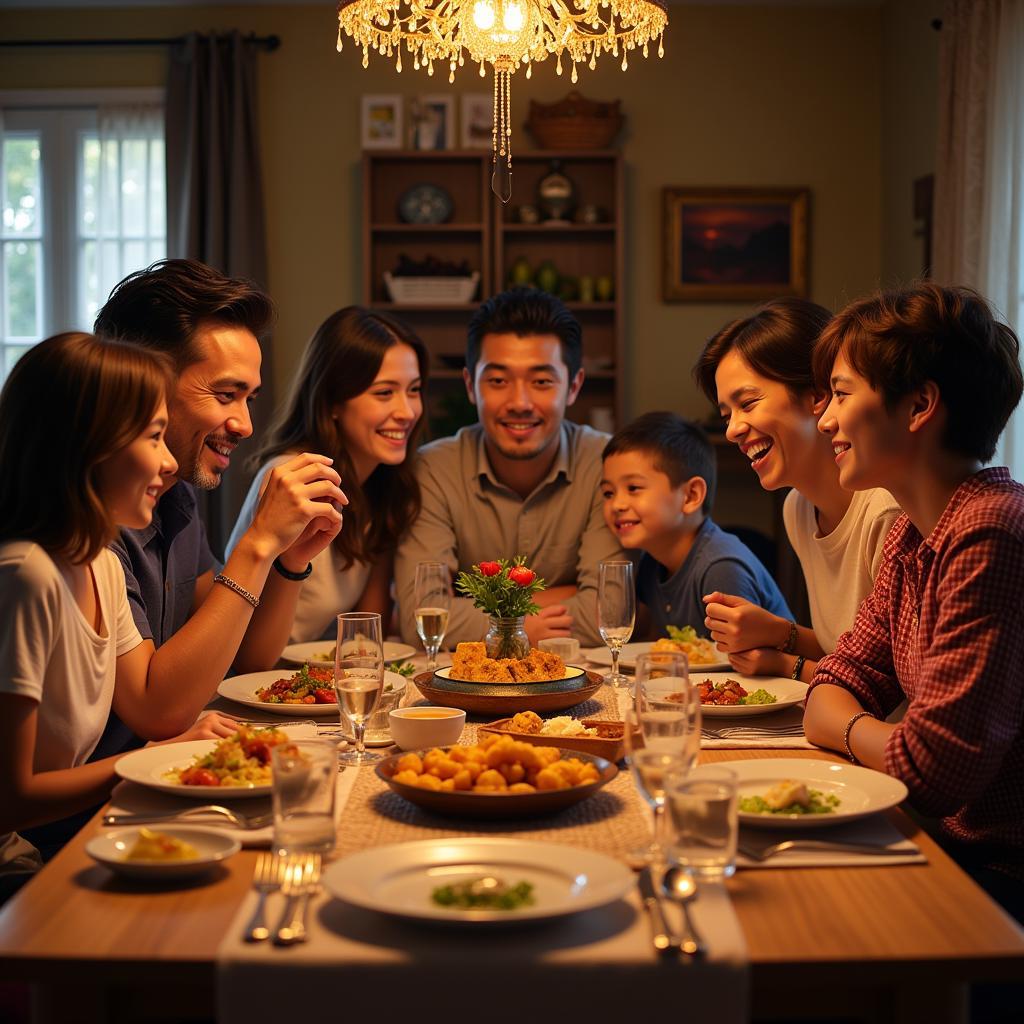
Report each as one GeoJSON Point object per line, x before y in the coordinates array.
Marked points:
{"type": "Point", "coordinates": [661, 735]}
{"type": "Point", "coordinates": [616, 612]}
{"type": "Point", "coordinates": [433, 596]}
{"type": "Point", "coordinates": [358, 678]}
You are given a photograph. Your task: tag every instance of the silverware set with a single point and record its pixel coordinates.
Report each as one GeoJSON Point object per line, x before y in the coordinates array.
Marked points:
{"type": "Point", "coordinates": [231, 817]}
{"type": "Point", "coordinates": [656, 886]}
{"type": "Point", "coordinates": [761, 850]}
{"type": "Point", "coordinates": [751, 732]}
{"type": "Point", "coordinates": [297, 877]}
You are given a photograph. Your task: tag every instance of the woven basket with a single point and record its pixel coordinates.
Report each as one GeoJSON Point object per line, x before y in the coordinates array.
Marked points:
{"type": "Point", "coordinates": [574, 123]}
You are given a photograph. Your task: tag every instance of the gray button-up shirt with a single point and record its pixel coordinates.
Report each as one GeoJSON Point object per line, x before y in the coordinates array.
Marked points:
{"type": "Point", "coordinates": [468, 516]}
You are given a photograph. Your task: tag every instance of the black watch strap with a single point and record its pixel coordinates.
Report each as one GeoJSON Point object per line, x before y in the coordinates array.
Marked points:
{"type": "Point", "coordinates": [295, 577]}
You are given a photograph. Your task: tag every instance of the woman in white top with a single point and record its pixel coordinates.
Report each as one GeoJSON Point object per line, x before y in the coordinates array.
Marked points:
{"type": "Point", "coordinates": [82, 453]}
{"type": "Point", "coordinates": [758, 371]}
{"type": "Point", "coordinates": [358, 398]}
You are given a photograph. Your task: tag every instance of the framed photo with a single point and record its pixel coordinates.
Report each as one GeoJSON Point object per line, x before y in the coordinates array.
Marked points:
{"type": "Point", "coordinates": [433, 122]}
{"type": "Point", "coordinates": [477, 120]}
{"type": "Point", "coordinates": [734, 244]}
{"type": "Point", "coordinates": [381, 125]}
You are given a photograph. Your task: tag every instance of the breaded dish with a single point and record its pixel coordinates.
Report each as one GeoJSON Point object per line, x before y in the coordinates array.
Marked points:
{"type": "Point", "coordinates": [470, 663]}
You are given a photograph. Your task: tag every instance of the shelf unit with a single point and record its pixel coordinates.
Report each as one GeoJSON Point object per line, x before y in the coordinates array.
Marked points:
{"type": "Point", "coordinates": [484, 232]}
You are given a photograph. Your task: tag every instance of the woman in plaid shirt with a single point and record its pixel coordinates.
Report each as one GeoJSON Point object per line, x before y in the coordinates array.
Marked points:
{"type": "Point", "coordinates": [923, 380]}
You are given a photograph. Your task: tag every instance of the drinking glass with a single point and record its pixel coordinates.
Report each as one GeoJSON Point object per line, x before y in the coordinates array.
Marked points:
{"type": "Point", "coordinates": [304, 776]}
{"type": "Point", "coordinates": [433, 596]}
{"type": "Point", "coordinates": [704, 821]}
{"type": "Point", "coordinates": [616, 612]}
{"type": "Point", "coordinates": [358, 677]}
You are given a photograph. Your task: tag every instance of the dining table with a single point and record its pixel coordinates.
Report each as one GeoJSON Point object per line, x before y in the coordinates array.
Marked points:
{"type": "Point", "coordinates": [866, 943]}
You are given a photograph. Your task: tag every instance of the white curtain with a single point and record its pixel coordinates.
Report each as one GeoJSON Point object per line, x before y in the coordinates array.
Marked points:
{"type": "Point", "coordinates": [979, 180]}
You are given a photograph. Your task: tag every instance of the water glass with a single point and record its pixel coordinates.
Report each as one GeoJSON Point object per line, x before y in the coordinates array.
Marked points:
{"type": "Point", "coordinates": [566, 647]}
{"type": "Point", "coordinates": [704, 821]}
{"type": "Point", "coordinates": [358, 678]}
{"type": "Point", "coordinates": [433, 601]}
{"type": "Point", "coordinates": [616, 611]}
{"type": "Point", "coordinates": [667, 705]}
{"type": "Point", "coordinates": [304, 776]}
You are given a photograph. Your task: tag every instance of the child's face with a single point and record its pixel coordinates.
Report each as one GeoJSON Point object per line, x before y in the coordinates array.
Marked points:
{"type": "Point", "coordinates": [867, 438]}
{"type": "Point", "coordinates": [640, 504]}
{"type": "Point", "coordinates": [776, 430]}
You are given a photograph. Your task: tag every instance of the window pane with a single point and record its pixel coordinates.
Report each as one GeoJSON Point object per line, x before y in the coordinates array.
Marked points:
{"type": "Point", "coordinates": [89, 191]}
{"type": "Point", "coordinates": [133, 187]}
{"type": "Point", "coordinates": [157, 191]}
{"type": "Point", "coordinates": [21, 289]}
{"type": "Point", "coordinates": [22, 210]}
{"type": "Point", "coordinates": [12, 353]}
{"type": "Point", "coordinates": [110, 189]}
{"type": "Point", "coordinates": [134, 257]}
{"type": "Point", "coordinates": [88, 286]}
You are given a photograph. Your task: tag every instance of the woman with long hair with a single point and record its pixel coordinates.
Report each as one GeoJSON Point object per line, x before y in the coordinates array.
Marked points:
{"type": "Point", "coordinates": [82, 453]}
{"type": "Point", "coordinates": [357, 397]}
{"type": "Point", "coordinates": [758, 371]}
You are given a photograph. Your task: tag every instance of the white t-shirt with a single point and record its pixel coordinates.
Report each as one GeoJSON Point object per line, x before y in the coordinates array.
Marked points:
{"type": "Point", "coordinates": [327, 592]}
{"type": "Point", "coordinates": [841, 567]}
{"type": "Point", "coordinates": [52, 655]}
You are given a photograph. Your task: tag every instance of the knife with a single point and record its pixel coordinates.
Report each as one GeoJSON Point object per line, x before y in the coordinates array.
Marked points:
{"type": "Point", "coordinates": [663, 939]}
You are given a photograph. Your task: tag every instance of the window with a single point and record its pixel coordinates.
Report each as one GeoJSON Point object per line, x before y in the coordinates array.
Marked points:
{"type": "Point", "coordinates": [82, 204]}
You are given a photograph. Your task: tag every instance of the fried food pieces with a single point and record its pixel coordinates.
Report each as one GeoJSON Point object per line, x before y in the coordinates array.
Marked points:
{"type": "Point", "coordinates": [498, 765]}
{"type": "Point", "coordinates": [470, 663]}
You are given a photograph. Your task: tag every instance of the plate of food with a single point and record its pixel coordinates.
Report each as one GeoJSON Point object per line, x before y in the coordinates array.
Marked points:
{"type": "Point", "coordinates": [800, 793]}
{"type": "Point", "coordinates": [477, 881]}
{"type": "Point", "coordinates": [591, 735]}
{"type": "Point", "coordinates": [309, 692]}
{"type": "Point", "coordinates": [497, 778]}
{"type": "Point", "coordinates": [233, 768]}
{"type": "Point", "coordinates": [730, 695]}
{"type": "Point", "coordinates": [700, 652]}
{"type": "Point", "coordinates": [321, 652]}
{"type": "Point", "coordinates": [175, 851]}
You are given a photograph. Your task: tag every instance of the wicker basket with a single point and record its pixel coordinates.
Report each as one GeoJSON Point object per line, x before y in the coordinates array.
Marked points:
{"type": "Point", "coordinates": [431, 291]}
{"type": "Point", "coordinates": [574, 123]}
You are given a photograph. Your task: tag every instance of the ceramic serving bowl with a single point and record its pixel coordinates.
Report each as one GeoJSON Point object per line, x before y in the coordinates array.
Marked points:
{"type": "Point", "coordinates": [415, 728]}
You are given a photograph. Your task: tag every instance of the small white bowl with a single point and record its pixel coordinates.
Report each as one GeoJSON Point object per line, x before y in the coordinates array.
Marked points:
{"type": "Point", "coordinates": [412, 731]}
{"type": "Point", "coordinates": [111, 848]}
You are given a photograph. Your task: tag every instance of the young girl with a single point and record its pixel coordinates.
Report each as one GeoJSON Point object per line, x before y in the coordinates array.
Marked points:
{"type": "Point", "coordinates": [358, 397]}
{"type": "Point", "coordinates": [82, 453]}
{"type": "Point", "coordinates": [758, 371]}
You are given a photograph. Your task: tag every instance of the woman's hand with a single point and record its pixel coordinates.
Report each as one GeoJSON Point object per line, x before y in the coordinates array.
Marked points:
{"type": "Point", "coordinates": [736, 624]}
{"type": "Point", "coordinates": [211, 726]}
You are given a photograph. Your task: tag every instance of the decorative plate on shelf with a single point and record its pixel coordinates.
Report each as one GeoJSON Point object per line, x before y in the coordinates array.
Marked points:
{"type": "Point", "coordinates": [425, 204]}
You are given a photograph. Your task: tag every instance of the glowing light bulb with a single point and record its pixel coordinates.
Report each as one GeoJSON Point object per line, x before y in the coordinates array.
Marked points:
{"type": "Point", "coordinates": [512, 17]}
{"type": "Point", "coordinates": [483, 15]}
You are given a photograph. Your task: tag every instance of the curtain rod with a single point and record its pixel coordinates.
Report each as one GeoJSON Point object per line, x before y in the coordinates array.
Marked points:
{"type": "Point", "coordinates": [269, 43]}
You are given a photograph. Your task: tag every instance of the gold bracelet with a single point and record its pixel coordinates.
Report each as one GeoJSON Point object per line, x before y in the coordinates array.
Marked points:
{"type": "Point", "coordinates": [237, 588]}
{"type": "Point", "coordinates": [846, 735]}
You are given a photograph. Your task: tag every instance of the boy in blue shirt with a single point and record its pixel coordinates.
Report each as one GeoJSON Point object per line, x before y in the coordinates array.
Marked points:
{"type": "Point", "coordinates": [658, 488]}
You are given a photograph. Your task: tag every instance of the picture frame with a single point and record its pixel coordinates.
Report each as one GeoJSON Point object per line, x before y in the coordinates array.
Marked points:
{"type": "Point", "coordinates": [476, 121]}
{"type": "Point", "coordinates": [433, 121]}
{"type": "Point", "coordinates": [381, 121]}
{"type": "Point", "coordinates": [734, 244]}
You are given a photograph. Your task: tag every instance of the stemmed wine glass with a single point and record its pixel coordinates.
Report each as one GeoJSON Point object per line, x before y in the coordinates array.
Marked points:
{"type": "Point", "coordinates": [616, 611]}
{"type": "Point", "coordinates": [433, 603]}
{"type": "Point", "coordinates": [661, 735]}
{"type": "Point", "coordinates": [358, 677]}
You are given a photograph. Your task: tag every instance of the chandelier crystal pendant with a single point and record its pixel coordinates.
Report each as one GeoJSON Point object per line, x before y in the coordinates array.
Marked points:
{"type": "Point", "coordinates": [508, 35]}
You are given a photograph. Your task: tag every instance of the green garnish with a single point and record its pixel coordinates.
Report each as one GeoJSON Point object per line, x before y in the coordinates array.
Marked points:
{"type": "Point", "coordinates": [404, 668]}
{"type": "Point", "coordinates": [477, 894]}
{"type": "Point", "coordinates": [819, 803]}
{"type": "Point", "coordinates": [682, 634]}
{"type": "Point", "coordinates": [761, 696]}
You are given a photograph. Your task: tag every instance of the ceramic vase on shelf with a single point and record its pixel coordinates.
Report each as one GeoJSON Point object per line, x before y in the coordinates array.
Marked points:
{"type": "Point", "coordinates": [506, 638]}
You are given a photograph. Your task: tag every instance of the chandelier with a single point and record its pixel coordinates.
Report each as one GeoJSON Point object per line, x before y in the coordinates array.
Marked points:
{"type": "Point", "coordinates": [507, 34]}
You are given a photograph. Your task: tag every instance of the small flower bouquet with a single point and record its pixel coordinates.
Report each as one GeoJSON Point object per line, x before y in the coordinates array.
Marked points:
{"type": "Point", "coordinates": [505, 591]}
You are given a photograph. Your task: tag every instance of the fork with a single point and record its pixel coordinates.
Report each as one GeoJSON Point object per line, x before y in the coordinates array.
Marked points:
{"type": "Point", "coordinates": [301, 881]}
{"type": "Point", "coordinates": [766, 852]}
{"type": "Point", "coordinates": [266, 879]}
{"type": "Point", "coordinates": [237, 818]}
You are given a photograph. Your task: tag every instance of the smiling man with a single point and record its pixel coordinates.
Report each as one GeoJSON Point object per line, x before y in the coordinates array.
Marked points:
{"type": "Point", "coordinates": [198, 621]}
{"type": "Point", "coordinates": [522, 481]}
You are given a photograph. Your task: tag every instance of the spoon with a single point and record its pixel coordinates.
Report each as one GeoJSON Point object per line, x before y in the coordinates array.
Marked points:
{"type": "Point", "coordinates": [680, 886]}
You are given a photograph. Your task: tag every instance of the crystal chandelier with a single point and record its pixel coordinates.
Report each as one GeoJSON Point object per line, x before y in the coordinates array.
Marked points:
{"type": "Point", "coordinates": [507, 34]}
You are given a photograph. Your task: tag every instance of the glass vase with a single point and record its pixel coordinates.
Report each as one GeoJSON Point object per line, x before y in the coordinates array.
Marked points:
{"type": "Point", "coordinates": [506, 638]}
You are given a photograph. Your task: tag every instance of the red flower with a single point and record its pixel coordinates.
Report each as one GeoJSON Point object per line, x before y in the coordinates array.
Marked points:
{"type": "Point", "coordinates": [489, 568]}
{"type": "Point", "coordinates": [521, 575]}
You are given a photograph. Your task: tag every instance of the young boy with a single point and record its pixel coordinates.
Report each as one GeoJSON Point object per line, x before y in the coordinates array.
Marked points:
{"type": "Point", "coordinates": [923, 380]}
{"type": "Point", "coordinates": [658, 488]}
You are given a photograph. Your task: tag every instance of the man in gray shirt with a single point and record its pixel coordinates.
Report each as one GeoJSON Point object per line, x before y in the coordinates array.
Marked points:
{"type": "Point", "coordinates": [522, 481]}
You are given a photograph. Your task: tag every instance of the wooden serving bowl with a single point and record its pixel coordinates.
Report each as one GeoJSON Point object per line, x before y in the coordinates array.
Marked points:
{"type": "Point", "coordinates": [503, 699]}
{"type": "Point", "coordinates": [462, 804]}
{"type": "Point", "coordinates": [608, 743]}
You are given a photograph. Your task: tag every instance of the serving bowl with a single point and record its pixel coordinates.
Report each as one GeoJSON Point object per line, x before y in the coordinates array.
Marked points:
{"type": "Point", "coordinates": [507, 698]}
{"type": "Point", "coordinates": [413, 728]}
{"type": "Point", "coordinates": [609, 742]}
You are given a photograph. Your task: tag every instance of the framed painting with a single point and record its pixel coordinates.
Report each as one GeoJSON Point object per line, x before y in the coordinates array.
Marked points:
{"type": "Point", "coordinates": [381, 122]}
{"type": "Point", "coordinates": [734, 244]}
{"type": "Point", "coordinates": [433, 119]}
{"type": "Point", "coordinates": [477, 120]}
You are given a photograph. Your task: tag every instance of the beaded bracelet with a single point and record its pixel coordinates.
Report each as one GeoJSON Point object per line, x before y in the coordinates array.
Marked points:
{"type": "Point", "coordinates": [789, 647]}
{"type": "Point", "coordinates": [846, 735]}
{"type": "Point", "coordinates": [237, 588]}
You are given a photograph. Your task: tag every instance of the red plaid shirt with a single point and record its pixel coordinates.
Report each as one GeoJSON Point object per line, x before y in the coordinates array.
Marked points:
{"type": "Point", "coordinates": [944, 627]}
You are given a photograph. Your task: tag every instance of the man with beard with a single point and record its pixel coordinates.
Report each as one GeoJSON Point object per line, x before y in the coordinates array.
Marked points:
{"type": "Point", "coordinates": [522, 481]}
{"type": "Point", "coordinates": [198, 619]}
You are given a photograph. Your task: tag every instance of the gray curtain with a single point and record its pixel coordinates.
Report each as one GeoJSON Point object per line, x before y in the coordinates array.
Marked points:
{"type": "Point", "coordinates": [215, 200]}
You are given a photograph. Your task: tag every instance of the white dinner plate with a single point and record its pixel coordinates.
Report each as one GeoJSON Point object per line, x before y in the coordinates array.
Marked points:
{"type": "Point", "coordinates": [861, 791]}
{"type": "Point", "coordinates": [629, 653]}
{"type": "Point", "coordinates": [242, 690]}
{"type": "Point", "coordinates": [110, 849]}
{"type": "Point", "coordinates": [788, 692]}
{"type": "Point", "coordinates": [321, 652]}
{"type": "Point", "coordinates": [149, 767]}
{"type": "Point", "coordinates": [398, 880]}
